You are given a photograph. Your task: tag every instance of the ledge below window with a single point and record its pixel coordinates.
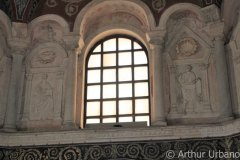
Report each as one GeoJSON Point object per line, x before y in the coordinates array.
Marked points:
{"type": "Point", "coordinates": [119, 134]}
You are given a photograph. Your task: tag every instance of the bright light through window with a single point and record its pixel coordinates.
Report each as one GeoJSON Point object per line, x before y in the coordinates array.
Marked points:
{"type": "Point", "coordinates": [117, 82]}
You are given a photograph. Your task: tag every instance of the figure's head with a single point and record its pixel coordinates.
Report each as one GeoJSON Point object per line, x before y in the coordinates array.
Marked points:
{"type": "Point", "coordinates": [187, 68]}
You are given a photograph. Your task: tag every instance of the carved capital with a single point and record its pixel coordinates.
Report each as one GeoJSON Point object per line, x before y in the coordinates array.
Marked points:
{"type": "Point", "coordinates": [73, 43]}
{"type": "Point", "coordinates": [216, 30]}
{"type": "Point", "coordinates": [19, 30]}
{"type": "Point", "coordinates": [157, 41]}
{"type": "Point", "coordinates": [72, 47]}
{"type": "Point", "coordinates": [156, 37]}
{"type": "Point", "coordinates": [18, 51]}
{"type": "Point", "coordinates": [211, 13]}
{"type": "Point", "coordinates": [220, 38]}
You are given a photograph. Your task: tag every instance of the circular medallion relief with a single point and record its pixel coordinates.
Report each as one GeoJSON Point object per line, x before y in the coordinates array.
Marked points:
{"type": "Point", "coordinates": [46, 57]}
{"type": "Point", "coordinates": [158, 5]}
{"type": "Point", "coordinates": [186, 47]}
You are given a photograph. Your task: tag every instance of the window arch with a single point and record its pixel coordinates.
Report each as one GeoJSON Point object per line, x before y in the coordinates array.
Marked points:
{"type": "Point", "coordinates": [117, 82]}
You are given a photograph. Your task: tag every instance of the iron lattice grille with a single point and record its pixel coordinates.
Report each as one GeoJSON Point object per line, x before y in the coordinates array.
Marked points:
{"type": "Point", "coordinates": [117, 81]}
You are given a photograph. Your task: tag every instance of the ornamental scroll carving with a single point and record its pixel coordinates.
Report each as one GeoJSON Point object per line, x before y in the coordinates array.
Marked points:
{"type": "Point", "coordinates": [158, 5]}
{"type": "Point", "coordinates": [46, 57]}
{"type": "Point", "coordinates": [71, 7]}
{"type": "Point", "coordinates": [141, 150]}
{"type": "Point", "coordinates": [51, 3]}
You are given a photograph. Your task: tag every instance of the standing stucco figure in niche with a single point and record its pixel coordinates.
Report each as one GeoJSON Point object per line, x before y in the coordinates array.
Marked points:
{"type": "Point", "coordinates": [43, 99]}
{"type": "Point", "coordinates": [191, 90]}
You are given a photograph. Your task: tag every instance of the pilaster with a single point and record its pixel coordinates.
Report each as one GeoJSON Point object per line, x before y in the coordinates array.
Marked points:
{"type": "Point", "coordinates": [156, 40]}
{"type": "Point", "coordinates": [11, 114]}
{"type": "Point", "coordinates": [72, 47]}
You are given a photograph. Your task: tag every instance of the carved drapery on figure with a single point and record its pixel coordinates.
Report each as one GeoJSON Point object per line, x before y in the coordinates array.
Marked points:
{"type": "Point", "coordinates": [191, 90]}
{"type": "Point", "coordinates": [42, 100]}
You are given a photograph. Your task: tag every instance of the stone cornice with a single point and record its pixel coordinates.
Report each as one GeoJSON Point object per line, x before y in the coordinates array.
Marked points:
{"type": "Point", "coordinates": [120, 134]}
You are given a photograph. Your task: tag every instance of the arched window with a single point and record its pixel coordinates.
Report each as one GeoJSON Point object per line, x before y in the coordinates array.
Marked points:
{"type": "Point", "coordinates": [117, 82]}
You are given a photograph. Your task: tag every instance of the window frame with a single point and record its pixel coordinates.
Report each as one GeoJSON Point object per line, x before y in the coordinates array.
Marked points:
{"type": "Point", "coordinates": [116, 82]}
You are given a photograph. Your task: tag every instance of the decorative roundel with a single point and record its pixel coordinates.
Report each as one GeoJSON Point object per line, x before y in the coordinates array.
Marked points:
{"type": "Point", "coordinates": [158, 5]}
{"type": "Point", "coordinates": [46, 57]}
{"type": "Point", "coordinates": [187, 47]}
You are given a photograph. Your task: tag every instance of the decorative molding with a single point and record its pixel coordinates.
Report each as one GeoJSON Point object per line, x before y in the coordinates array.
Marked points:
{"type": "Point", "coordinates": [158, 5]}
{"type": "Point", "coordinates": [51, 3]}
{"type": "Point", "coordinates": [71, 9]}
{"type": "Point", "coordinates": [46, 57]}
{"type": "Point", "coordinates": [211, 13]}
{"type": "Point", "coordinates": [187, 47]}
{"type": "Point", "coordinates": [144, 150]}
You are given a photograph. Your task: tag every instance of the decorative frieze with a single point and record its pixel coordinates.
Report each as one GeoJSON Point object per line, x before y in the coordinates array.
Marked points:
{"type": "Point", "coordinates": [144, 150]}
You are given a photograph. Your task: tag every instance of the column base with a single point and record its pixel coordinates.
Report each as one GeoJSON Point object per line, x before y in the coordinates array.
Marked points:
{"type": "Point", "coordinates": [69, 126]}
{"type": "Point", "coordinates": [8, 128]}
{"type": "Point", "coordinates": [159, 123]}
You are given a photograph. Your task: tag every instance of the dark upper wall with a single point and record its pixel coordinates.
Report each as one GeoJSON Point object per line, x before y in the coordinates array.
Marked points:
{"type": "Point", "coordinates": [27, 10]}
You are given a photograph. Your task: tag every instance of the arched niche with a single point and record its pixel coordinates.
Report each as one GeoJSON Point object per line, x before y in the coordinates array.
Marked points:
{"type": "Point", "coordinates": [5, 64]}
{"type": "Point", "coordinates": [100, 13]}
{"type": "Point", "coordinates": [193, 65]}
{"type": "Point", "coordinates": [194, 9]}
{"type": "Point", "coordinates": [44, 87]}
{"type": "Point", "coordinates": [48, 28]}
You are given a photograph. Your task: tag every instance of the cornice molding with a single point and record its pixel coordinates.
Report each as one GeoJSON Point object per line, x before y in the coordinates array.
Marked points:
{"type": "Point", "coordinates": [120, 134]}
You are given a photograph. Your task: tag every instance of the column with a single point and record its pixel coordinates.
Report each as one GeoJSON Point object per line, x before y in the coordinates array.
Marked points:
{"type": "Point", "coordinates": [11, 114]}
{"type": "Point", "coordinates": [26, 111]}
{"type": "Point", "coordinates": [71, 90]}
{"type": "Point", "coordinates": [58, 100]}
{"type": "Point", "coordinates": [223, 88]}
{"type": "Point", "coordinates": [158, 112]}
